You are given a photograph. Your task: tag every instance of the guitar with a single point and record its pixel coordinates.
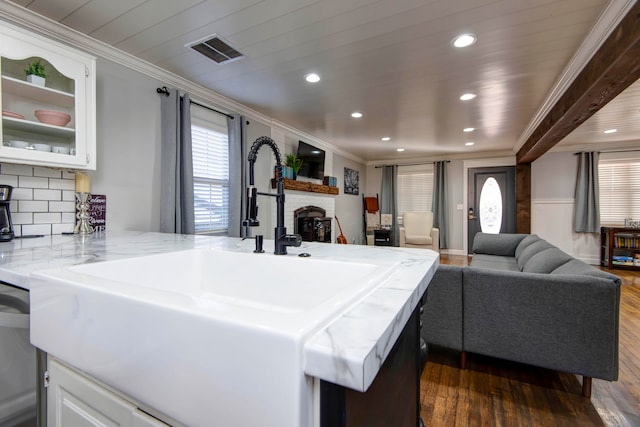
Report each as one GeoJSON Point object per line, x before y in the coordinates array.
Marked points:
{"type": "Point", "coordinates": [340, 239]}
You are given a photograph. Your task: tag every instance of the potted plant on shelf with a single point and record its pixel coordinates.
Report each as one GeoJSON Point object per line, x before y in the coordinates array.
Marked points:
{"type": "Point", "coordinates": [36, 73]}
{"type": "Point", "coordinates": [294, 162]}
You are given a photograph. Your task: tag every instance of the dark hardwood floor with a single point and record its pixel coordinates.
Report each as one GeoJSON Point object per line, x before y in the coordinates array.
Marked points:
{"type": "Point", "coordinates": [493, 392]}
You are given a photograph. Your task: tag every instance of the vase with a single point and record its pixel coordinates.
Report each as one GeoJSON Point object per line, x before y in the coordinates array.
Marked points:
{"type": "Point", "coordinates": [36, 80]}
{"type": "Point", "coordinates": [288, 173]}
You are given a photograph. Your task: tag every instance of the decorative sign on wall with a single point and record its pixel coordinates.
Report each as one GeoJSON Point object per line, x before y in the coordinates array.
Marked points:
{"type": "Point", "coordinates": [351, 181]}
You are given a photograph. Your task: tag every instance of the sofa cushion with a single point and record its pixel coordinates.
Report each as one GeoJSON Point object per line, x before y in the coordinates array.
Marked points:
{"type": "Point", "coordinates": [531, 238]}
{"type": "Point", "coordinates": [417, 223]}
{"type": "Point", "coordinates": [496, 244]}
{"type": "Point", "coordinates": [546, 261]}
{"type": "Point", "coordinates": [575, 266]}
{"type": "Point", "coordinates": [531, 250]}
{"type": "Point", "coordinates": [495, 262]}
{"type": "Point", "coordinates": [418, 240]}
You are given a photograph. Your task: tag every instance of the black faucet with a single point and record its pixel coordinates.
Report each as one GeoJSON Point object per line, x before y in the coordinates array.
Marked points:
{"type": "Point", "coordinates": [282, 239]}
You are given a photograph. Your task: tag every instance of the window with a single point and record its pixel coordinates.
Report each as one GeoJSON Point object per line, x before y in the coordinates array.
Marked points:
{"type": "Point", "coordinates": [210, 146]}
{"type": "Point", "coordinates": [415, 188]}
{"type": "Point", "coordinates": [490, 207]}
{"type": "Point", "coordinates": [619, 188]}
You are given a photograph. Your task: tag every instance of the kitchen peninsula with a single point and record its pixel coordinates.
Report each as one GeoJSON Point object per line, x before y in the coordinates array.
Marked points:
{"type": "Point", "coordinates": [200, 329]}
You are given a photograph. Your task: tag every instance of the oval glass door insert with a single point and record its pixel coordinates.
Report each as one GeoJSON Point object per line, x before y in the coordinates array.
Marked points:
{"type": "Point", "coordinates": [490, 207]}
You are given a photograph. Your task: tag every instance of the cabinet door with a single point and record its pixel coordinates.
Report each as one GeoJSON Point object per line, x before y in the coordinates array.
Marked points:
{"type": "Point", "coordinates": [31, 131]}
{"type": "Point", "coordinates": [74, 400]}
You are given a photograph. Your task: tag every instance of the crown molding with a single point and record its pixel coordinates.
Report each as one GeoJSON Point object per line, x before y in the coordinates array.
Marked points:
{"type": "Point", "coordinates": [479, 155]}
{"type": "Point", "coordinates": [46, 27]}
{"type": "Point", "coordinates": [615, 11]}
{"type": "Point", "coordinates": [631, 145]}
{"type": "Point", "coordinates": [26, 19]}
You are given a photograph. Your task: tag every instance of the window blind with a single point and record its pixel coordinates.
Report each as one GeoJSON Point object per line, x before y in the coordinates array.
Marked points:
{"type": "Point", "coordinates": [619, 191]}
{"type": "Point", "coordinates": [415, 189]}
{"type": "Point", "coordinates": [210, 147]}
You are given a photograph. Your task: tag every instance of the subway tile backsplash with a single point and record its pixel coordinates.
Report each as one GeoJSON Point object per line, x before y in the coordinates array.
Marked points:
{"type": "Point", "coordinates": [43, 199]}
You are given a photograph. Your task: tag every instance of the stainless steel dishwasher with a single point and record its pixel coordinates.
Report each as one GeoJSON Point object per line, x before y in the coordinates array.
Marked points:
{"type": "Point", "coordinates": [20, 363]}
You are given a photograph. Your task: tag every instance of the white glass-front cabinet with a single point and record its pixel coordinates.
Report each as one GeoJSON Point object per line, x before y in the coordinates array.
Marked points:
{"type": "Point", "coordinates": [50, 123]}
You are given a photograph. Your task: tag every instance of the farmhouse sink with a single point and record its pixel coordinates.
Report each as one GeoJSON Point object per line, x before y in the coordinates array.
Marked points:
{"type": "Point", "coordinates": [284, 284]}
{"type": "Point", "coordinates": [181, 330]}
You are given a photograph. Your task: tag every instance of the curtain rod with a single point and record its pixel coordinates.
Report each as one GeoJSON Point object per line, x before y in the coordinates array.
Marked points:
{"type": "Point", "coordinates": [410, 164]}
{"type": "Point", "coordinates": [164, 91]}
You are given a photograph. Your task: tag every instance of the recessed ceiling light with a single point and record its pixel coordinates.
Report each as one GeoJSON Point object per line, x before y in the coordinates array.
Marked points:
{"type": "Point", "coordinates": [464, 40]}
{"type": "Point", "coordinates": [312, 78]}
{"type": "Point", "coordinates": [469, 144]}
{"type": "Point", "coordinates": [400, 149]}
{"type": "Point", "coordinates": [356, 114]}
{"type": "Point", "coordinates": [467, 96]}
{"type": "Point", "coordinates": [611, 131]}
{"type": "Point", "coordinates": [468, 129]}
{"type": "Point", "coordinates": [385, 138]}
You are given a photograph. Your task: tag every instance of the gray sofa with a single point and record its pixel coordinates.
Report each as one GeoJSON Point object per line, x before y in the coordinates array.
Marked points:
{"type": "Point", "coordinates": [523, 299]}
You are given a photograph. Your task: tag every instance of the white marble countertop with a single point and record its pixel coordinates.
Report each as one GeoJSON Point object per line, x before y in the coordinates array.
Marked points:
{"type": "Point", "coordinates": [348, 350]}
{"type": "Point", "coordinates": [20, 257]}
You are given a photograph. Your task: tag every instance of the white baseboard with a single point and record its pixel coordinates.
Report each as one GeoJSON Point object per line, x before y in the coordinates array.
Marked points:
{"type": "Point", "coordinates": [589, 259]}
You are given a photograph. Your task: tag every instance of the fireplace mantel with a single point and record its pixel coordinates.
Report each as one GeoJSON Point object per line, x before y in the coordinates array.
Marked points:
{"type": "Point", "coordinates": [292, 184]}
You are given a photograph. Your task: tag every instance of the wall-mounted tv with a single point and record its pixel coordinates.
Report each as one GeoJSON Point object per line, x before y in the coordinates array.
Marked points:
{"type": "Point", "coordinates": [312, 161]}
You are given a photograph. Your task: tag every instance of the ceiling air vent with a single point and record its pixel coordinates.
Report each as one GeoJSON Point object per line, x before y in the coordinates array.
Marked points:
{"type": "Point", "coordinates": [213, 47]}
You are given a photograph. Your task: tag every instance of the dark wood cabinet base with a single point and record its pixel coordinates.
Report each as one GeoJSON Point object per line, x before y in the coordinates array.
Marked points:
{"type": "Point", "coordinates": [394, 397]}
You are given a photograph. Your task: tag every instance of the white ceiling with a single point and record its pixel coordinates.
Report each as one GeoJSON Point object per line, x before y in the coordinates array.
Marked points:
{"type": "Point", "coordinates": [390, 59]}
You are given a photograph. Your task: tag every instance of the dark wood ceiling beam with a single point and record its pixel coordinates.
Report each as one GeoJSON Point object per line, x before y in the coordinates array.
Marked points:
{"type": "Point", "coordinates": [613, 68]}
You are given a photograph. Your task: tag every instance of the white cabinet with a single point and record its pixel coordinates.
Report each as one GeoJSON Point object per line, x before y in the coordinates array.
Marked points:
{"type": "Point", "coordinates": [68, 92]}
{"type": "Point", "coordinates": [74, 400]}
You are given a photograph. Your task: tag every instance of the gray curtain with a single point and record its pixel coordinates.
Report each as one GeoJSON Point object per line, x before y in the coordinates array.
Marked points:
{"type": "Point", "coordinates": [388, 199]}
{"type": "Point", "coordinates": [440, 202]}
{"type": "Point", "coordinates": [587, 196]}
{"type": "Point", "coordinates": [237, 175]}
{"type": "Point", "coordinates": [176, 183]}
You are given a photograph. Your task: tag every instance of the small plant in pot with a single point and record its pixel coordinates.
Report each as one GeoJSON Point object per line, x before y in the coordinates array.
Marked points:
{"type": "Point", "coordinates": [36, 73]}
{"type": "Point", "coordinates": [294, 162]}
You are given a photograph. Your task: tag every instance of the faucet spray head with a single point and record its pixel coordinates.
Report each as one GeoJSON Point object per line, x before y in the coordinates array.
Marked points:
{"type": "Point", "coordinates": [252, 208]}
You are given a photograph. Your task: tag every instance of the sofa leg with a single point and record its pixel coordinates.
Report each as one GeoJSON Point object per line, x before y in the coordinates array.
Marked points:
{"type": "Point", "coordinates": [586, 387]}
{"type": "Point", "coordinates": [463, 360]}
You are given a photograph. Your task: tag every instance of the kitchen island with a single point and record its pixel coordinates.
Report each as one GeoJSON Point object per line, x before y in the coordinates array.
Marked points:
{"type": "Point", "coordinates": [201, 329]}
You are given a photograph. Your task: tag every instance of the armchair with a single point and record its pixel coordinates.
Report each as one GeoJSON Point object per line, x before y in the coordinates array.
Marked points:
{"type": "Point", "coordinates": [417, 231]}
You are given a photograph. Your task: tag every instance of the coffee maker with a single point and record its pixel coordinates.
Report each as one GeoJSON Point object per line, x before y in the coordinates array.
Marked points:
{"type": "Point", "coordinates": [6, 225]}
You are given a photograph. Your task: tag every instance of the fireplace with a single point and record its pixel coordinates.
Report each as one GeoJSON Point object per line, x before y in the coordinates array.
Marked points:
{"type": "Point", "coordinates": [311, 223]}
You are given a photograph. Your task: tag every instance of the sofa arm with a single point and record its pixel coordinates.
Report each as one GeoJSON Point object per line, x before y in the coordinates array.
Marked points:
{"type": "Point", "coordinates": [403, 237]}
{"type": "Point", "coordinates": [442, 316]}
{"type": "Point", "coordinates": [435, 239]}
{"type": "Point", "coordinates": [562, 322]}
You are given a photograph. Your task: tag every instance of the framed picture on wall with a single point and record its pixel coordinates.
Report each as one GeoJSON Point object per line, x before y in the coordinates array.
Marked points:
{"type": "Point", "coordinates": [351, 181]}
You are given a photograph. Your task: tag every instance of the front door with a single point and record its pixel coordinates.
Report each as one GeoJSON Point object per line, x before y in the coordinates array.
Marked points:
{"type": "Point", "coordinates": [492, 201]}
